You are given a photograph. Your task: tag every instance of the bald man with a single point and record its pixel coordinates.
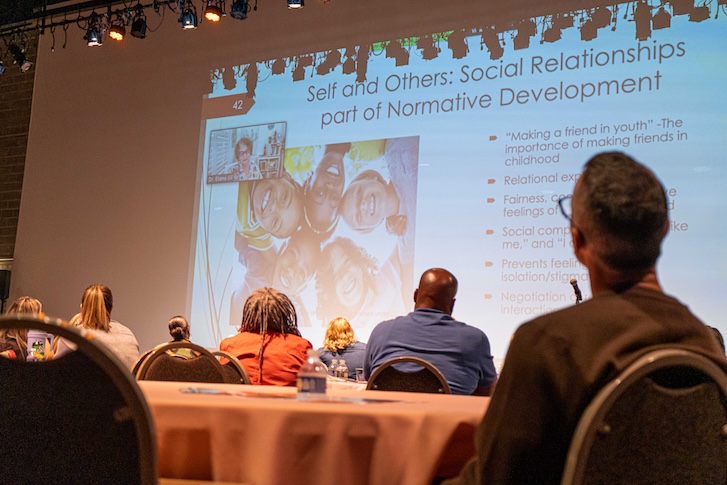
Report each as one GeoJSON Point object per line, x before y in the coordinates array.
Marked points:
{"type": "Point", "coordinates": [459, 351]}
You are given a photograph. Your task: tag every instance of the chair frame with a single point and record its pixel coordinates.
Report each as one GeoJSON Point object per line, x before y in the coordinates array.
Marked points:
{"type": "Point", "coordinates": [234, 362]}
{"type": "Point", "coordinates": [445, 389]}
{"type": "Point", "coordinates": [594, 414]}
{"type": "Point", "coordinates": [115, 370]}
{"type": "Point", "coordinates": [161, 349]}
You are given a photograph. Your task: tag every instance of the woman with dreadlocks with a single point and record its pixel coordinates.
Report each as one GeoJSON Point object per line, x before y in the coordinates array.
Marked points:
{"type": "Point", "coordinates": [269, 344]}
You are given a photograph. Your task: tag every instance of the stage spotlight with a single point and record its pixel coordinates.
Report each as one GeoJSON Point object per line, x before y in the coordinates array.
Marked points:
{"type": "Point", "coordinates": [117, 31]}
{"type": "Point", "coordinates": [94, 36]}
{"type": "Point", "coordinates": [661, 20]}
{"type": "Point", "coordinates": [20, 58]}
{"type": "Point", "coordinates": [239, 9]}
{"type": "Point", "coordinates": [188, 18]}
{"type": "Point", "coordinates": [296, 4]}
{"type": "Point", "coordinates": [457, 43]}
{"type": "Point", "coordinates": [213, 11]}
{"type": "Point", "coordinates": [492, 41]}
{"type": "Point", "coordinates": [138, 26]}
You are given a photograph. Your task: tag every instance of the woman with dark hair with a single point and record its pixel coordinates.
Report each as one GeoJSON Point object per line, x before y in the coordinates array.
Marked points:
{"type": "Point", "coordinates": [179, 330]}
{"type": "Point", "coordinates": [269, 344]}
{"type": "Point", "coordinates": [95, 317]}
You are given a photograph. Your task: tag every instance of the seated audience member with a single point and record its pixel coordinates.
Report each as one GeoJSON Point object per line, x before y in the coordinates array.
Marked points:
{"type": "Point", "coordinates": [179, 330]}
{"type": "Point", "coordinates": [340, 343]}
{"type": "Point", "coordinates": [95, 317]}
{"type": "Point", "coordinates": [461, 352]}
{"type": "Point", "coordinates": [556, 363]}
{"type": "Point", "coordinates": [269, 344]}
{"type": "Point", "coordinates": [14, 342]}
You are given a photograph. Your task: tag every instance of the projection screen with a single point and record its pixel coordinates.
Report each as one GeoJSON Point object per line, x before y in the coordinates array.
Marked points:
{"type": "Point", "coordinates": [338, 154]}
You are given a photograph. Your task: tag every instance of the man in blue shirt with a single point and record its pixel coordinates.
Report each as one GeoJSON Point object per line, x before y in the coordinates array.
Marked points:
{"type": "Point", "coordinates": [459, 351]}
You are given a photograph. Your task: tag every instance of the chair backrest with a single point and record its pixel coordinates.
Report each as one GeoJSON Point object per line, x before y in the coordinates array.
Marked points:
{"type": "Point", "coordinates": [429, 379]}
{"type": "Point", "coordinates": [234, 370]}
{"type": "Point", "coordinates": [139, 361]}
{"type": "Point", "coordinates": [80, 418]}
{"type": "Point", "coordinates": [662, 420]}
{"type": "Point", "coordinates": [161, 366]}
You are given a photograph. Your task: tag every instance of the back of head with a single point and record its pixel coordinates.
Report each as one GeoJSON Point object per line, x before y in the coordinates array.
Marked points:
{"type": "Point", "coordinates": [96, 306]}
{"type": "Point", "coordinates": [437, 290]}
{"type": "Point", "coordinates": [339, 335]}
{"type": "Point", "coordinates": [24, 304]}
{"type": "Point", "coordinates": [179, 328]}
{"type": "Point", "coordinates": [268, 310]}
{"type": "Point", "coordinates": [621, 207]}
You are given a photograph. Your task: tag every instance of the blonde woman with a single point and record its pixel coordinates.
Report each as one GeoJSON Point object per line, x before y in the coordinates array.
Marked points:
{"type": "Point", "coordinates": [340, 343]}
{"type": "Point", "coordinates": [14, 342]}
{"type": "Point", "coordinates": [95, 317]}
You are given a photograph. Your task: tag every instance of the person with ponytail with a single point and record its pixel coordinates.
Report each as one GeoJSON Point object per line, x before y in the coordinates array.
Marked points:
{"type": "Point", "coordinates": [179, 330]}
{"type": "Point", "coordinates": [269, 344]}
{"type": "Point", "coordinates": [95, 317]}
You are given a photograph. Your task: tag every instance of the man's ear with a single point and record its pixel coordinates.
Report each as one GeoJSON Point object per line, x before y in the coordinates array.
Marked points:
{"type": "Point", "coordinates": [580, 245]}
{"type": "Point", "coordinates": [451, 308]}
{"type": "Point", "coordinates": [415, 295]}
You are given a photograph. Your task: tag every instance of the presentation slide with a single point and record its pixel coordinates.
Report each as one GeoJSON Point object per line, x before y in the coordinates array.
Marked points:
{"type": "Point", "coordinates": [339, 176]}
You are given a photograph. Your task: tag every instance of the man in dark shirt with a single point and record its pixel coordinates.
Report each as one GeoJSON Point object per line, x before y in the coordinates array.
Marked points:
{"type": "Point", "coordinates": [556, 363]}
{"type": "Point", "coordinates": [459, 351]}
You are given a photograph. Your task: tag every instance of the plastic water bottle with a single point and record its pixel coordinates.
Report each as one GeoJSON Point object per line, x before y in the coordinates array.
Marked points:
{"type": "Point", "coordinates": [342, 369]}
{"type": "Point", "coordinates": [36, 344]}
{"type": "Point", "coordinates": [312, 377]}
{"type": "Point", "coordinates": [333, 369]}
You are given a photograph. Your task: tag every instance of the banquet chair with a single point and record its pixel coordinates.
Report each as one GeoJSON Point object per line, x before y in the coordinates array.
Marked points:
{"type": "Point", "coordinates": [139, 361]}
{"type": "Point", "coordinates": [663, 420]}
{"type": "Point", "coordinates": [159, 365]}
{"type": "Point", "coordinates": [234, 370]}
{"type": "Point", "coordinates": [79, 418]}
{"type": "Point", "coordinates": [429, 379]}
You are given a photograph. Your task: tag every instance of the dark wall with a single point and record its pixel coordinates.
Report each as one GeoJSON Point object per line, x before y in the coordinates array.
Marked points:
{"type": "Point", "coordinates": [16, 95]}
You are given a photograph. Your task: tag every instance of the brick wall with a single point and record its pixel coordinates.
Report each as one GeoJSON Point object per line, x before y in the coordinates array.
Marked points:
{"type": "Point", "coordinates": [16, 94]}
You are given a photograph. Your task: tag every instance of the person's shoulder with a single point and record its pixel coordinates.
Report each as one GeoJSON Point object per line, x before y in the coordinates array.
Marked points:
{"type": "Point", "coordinates": [298, 340]}
{"type": "Point", "coordinates": [116, 327]}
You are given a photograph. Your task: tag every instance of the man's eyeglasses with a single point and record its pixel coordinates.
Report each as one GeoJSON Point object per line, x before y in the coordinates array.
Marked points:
{"type": "Point", "coordinates": [564, 203]}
